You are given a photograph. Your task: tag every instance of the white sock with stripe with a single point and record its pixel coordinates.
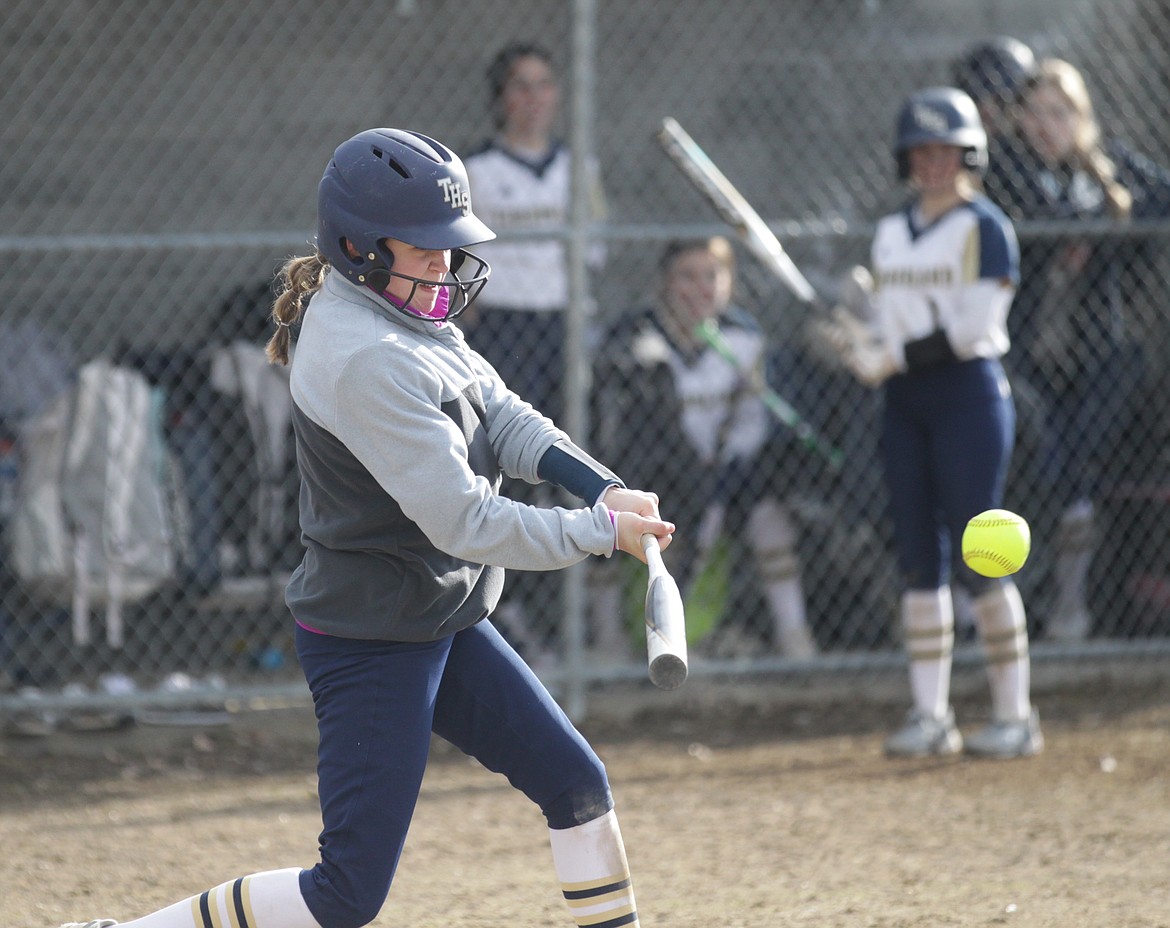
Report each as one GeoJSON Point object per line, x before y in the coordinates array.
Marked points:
{"type": "Point", "coordinates": [774, 537]}
{"type": "Point", "coordinates": [590, 861]}
{"type": "Point", "coordinates": [1003, 633]}
{"type": "Point", "coordinates": [271, 899]}
{"type": "Point", "coordinates": [928, 623]}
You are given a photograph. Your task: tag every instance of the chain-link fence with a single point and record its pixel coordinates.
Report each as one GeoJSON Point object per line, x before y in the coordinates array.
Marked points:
{"type": "Point", "coordinates": [160, 161]}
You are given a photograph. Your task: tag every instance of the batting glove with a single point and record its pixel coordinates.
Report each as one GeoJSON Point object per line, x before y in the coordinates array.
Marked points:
{"type": "Point", "coordinates": [859, 347]}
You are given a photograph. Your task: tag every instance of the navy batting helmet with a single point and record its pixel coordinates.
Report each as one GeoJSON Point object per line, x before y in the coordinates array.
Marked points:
{"type": "Point", "coordinates": [392, 183]}
{"type": "Point", "coordinates": [940, 114]}
{"type": "Point", "coordinates": [996, 69]}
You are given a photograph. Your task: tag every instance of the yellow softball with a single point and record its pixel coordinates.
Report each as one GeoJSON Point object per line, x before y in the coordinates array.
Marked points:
{"type": "Point", "coordinates": [996, 543]}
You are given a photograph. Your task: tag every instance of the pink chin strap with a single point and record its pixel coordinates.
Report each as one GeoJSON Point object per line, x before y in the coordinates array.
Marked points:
{"type": "Point", "coordinates": [436, 313]}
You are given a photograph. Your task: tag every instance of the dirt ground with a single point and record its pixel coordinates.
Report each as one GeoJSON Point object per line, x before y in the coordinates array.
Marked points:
{"type": "Point", "coordinates": [742, 807]}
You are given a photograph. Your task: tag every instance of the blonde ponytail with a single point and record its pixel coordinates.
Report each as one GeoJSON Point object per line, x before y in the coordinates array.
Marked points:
{"type": "Point", "coordinates": [1118, 200]}
{"type": "Point", "coordinates": [300, 277]}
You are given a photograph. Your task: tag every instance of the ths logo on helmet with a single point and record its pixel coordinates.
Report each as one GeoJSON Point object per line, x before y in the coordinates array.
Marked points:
{"type": "Point", "coordinates": [930, 119]}
{"type": "Point", "coordinates": [455, 194]}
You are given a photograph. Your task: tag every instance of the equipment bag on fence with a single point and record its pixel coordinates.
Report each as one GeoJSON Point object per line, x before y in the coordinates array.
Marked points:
{"type": "Point", "coordinates": [92, 524]}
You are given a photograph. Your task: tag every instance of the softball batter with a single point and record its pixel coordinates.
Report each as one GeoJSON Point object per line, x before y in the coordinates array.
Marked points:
{"type": "Point", "coordinates": [403, 434]}
{"type": "Point", "coordinates": [945, 270]}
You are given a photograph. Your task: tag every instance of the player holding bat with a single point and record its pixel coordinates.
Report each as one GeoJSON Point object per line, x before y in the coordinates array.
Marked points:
{"type": "Point", "coordinates": [946, 268]}
{"type": "Point", "coordinates": [402, 435]}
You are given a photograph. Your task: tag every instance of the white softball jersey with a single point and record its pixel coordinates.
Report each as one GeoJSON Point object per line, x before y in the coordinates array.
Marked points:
{"type": "Point", "coordinates": [515, 195]}
{"type": "Point", "coordinates": [722, 418]}
{"type": "Point", "coordinates": [711, 390]}
{"type": "Point", "coordinates": [957, 274]}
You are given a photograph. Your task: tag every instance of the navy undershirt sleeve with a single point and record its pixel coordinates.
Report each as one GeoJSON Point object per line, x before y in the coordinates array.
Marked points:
{"type": "Point", "coordinates": [569, 467]}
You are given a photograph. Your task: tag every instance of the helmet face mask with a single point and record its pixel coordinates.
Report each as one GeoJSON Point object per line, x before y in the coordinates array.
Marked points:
{"type": "Point", "coordinates": [459, 290]}
{"type": "Point", "coordinates": [394, 184]}
{"type": "Point", "coordinates": [944, 115]}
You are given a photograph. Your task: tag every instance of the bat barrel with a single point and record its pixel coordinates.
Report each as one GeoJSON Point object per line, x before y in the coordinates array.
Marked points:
{"type": "Point", "coordinates": [666, 634]}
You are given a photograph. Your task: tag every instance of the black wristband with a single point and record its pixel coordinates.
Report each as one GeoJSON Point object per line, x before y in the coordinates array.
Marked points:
{"type": "Point", "coordinates": [931, 351]}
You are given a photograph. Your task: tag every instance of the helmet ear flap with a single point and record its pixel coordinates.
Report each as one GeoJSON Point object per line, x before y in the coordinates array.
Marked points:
{"type": "Point", "coordinates": [975, 159]}
{"type": "Point", "coordinates": [378, 279]}
{"type": "Point", "coordinates": [374, 265]}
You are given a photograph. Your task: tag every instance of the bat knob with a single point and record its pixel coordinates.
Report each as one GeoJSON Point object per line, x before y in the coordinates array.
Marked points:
{"type": "Point", "coordinates": [668, 671]}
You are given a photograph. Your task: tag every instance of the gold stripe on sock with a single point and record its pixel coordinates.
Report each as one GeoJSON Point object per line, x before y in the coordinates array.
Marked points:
{"type": "Point", "coordinates": [596, 884]}
{"type": "Point", "coordinates": [1006, 646]}
{"type": "Point", "coordinates": [619, 916]}
{"type": "Point", "coordinates": [217, 895]}
{"type": "Point", "coordinates": [586, 902]}
{"type": "Point", "coordinates": [246, 894]}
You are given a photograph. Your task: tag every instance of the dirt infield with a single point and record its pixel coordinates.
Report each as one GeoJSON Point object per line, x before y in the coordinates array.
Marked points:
{"type": "Point", "coordinates": [742, 807]}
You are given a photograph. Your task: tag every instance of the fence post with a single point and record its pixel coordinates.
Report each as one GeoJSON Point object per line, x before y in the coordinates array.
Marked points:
{"type": "Point", "coordinates": [577, 353]}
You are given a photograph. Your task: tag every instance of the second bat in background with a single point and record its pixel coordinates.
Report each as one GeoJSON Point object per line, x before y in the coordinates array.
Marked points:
{"type": "Point", "coordinates": [734, 209]}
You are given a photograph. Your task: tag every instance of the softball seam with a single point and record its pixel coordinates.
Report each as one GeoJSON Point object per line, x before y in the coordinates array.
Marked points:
{"type": "Point", "coordinates": [994, 556]}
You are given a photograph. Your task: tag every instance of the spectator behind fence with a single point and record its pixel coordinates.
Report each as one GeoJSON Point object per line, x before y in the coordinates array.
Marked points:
{"type": "Point", "coordinates": [402, 433]}
{"type": "Point", "coordinates": [521, 180]}
{"type": "Point", "coordinates": [946, 268]}
{"type": "Point", "coordinates": [712, 447]}
{"type": "Point", "coordinates": [992, 73]}
{"type": "Point", "coordinates": [1075, 347]}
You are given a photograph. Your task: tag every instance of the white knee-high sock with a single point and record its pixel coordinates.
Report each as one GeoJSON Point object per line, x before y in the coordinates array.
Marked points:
{"type": "Point", "coordinates": [1003, 633]}
{"type": "Point", "coordinates": [1074, 556]}
{"type": "Point", "coordinates": [773, 535]}
{"type": "Point", "coordinates": [590, 861]}
{"type": "Point", "coordinates": [928, 622]}
{"type": "Point", "coordinates": [271, 899]}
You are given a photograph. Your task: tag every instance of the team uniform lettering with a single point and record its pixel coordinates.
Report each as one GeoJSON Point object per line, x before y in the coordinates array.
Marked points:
{"type": "Point", "coordinates": [916, 277]}
{"type": "Point", "coordinates": [458, 196]}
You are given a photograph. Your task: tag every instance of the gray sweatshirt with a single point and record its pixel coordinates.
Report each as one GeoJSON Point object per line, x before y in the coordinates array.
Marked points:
{"type": "Point", "coordinates": [402, 433]}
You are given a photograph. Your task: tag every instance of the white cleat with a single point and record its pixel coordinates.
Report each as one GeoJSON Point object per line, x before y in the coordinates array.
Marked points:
{"type": "Point", "coordinates": [924, 735]}
{"type": "Point", "coordinates": [96, 923]}
{"type": "Point", "coordinates": [1004, 740]}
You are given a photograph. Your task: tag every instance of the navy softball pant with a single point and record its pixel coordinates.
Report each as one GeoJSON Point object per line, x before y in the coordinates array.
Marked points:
{"type": "Point", "coordinates": [377, 703]}
{"type": "Point", "coordinates": [947, 437]}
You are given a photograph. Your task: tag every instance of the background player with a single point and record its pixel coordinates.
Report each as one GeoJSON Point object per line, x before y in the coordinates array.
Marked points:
{"type": "Point", "coordinates": [712, 444]}
{"type": "Point", "coordinates": [992, 73]}
{"type": "Point", "coordinates": [402, 436]}
{"type": "Point", "coordinates": [945, 269]}
{"type": "Point", "coordinates": [522, 179]}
